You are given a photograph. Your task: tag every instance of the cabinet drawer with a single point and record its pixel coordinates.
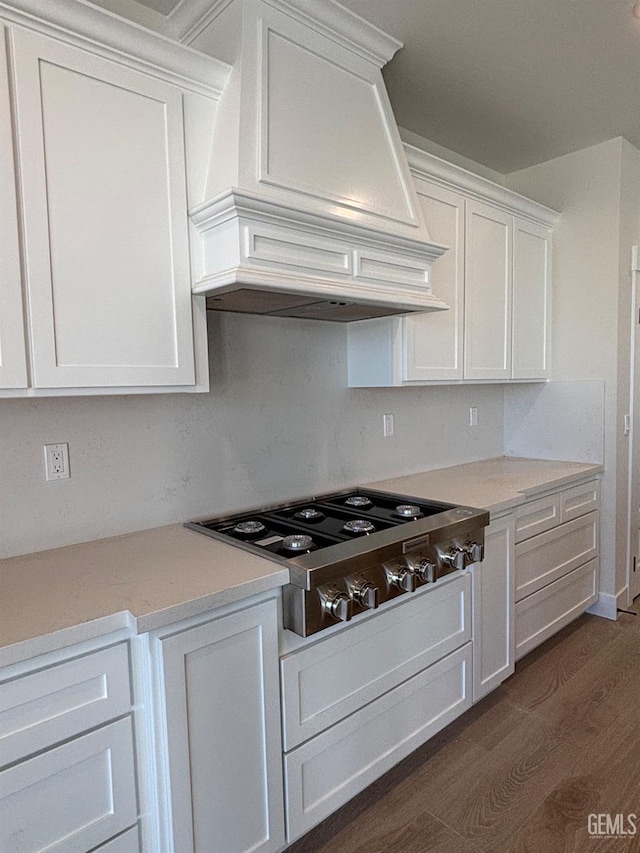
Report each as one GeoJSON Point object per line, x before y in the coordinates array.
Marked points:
{"type": "Point", "coordinates": [327, 771]}
{"type": "Point", "coordinates": [71, 798]}
{"type": "Point", "coordinates": [579, 500]}
{"type": "Point", "coordinates": [542, 614]}
{"type": "Point", "coordinates": [45, 707]}
{"type": "Point", "coordinates": [329, 680]}
{"type": "Point", "coordinates": [537, 516]}
{"type": "Point", "coordinates": [545, 558]}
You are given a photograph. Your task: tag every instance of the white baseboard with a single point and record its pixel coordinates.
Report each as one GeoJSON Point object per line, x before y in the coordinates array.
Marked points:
{"type": "Point", "coordinates": [607, 605]}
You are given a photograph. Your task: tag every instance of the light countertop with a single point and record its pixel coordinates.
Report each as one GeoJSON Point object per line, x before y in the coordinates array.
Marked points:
{"type": "Point", "coordinates": [497, 484]}
{"type": "Point", "coordinates": [141, 581]}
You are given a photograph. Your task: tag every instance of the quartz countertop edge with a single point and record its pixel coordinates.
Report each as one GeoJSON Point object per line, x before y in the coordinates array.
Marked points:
{"type": "Point", "coordinates": [150, 579]}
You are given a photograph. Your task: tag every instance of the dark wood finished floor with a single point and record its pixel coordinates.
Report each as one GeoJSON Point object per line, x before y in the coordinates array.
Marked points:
{"type": "Point", "coordinates": [521, 771]}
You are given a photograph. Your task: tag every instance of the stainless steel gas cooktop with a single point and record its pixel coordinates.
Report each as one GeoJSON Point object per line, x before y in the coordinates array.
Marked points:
{"type": "Point", "coordinates": [348, 552]}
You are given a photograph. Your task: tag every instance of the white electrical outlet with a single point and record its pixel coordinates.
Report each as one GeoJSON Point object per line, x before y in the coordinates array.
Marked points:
{"type": "Point", "coordinates": [56, 461]}
{"type": "Point", "coordinates": [473, 416]}
{"type": "Point", "coordinates": [387, 425]}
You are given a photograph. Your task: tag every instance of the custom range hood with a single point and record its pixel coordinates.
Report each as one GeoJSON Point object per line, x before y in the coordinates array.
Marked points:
{"type": "Point", "coordinates": [310, 209]}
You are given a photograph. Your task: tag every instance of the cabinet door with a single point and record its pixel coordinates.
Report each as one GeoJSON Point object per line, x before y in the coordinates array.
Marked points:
{"type": "Point", "coordinates": [531, 300]}
{"type": "Point", "coordinates": [433, 342]}
{"type": "Point", "coordinates": [493, 608]}
{"type": "Point", "coordinates": [223, 742]}
{"type": "Point", "coordinates": [488, 288]}
{"type": "Point", "coordinates": [13, 364]}
{"type": "Point", "coordinates": [101, 155]}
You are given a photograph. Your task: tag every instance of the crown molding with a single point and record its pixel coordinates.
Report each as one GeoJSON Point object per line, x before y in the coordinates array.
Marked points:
{"type": "Point", "coordinates": [436, 170]}
{"type": "Point", "coordinates": [84, 25]}
{"type": "Point", "coordinates": [190, 17]}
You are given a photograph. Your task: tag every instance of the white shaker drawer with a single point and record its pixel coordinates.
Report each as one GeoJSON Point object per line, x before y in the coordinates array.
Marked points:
{"type": "Point", "coordinates": [535, 517]}
{"type": "Point", "coordinates": [329, 680]}
{"type": "Point", "coordinates": [579, 500]}
{"type": "Point", "coordinates": [543, 614]}
{"type": "Point", "coordinates": [71, 798]}
{"type": "Point", "coordinates": [545, 558]}
{"type": "Point", "coordinates": [45, 707]}
{"type": "Point", "coordinates": [327, 771]}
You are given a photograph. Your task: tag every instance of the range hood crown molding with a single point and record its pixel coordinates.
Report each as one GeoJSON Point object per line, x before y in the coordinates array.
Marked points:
{"type": "Point", "coordinates": [190, 18]}
{"type": "Point", "coordinates": [307, 180]}
{"type": "Point", "coordinates": [234, 203]}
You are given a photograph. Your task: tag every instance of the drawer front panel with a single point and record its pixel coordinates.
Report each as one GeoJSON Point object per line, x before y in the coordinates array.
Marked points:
{"type": "Point", "coordinates": [544, 613]}
{"type": "Point", "coordinates": [72, 798]}
{"type": "Point", "coordinates": [545, 558]}
{"type": "Point", "coordinates": [329, 680]}
{"type": "Point", "coordinates": [537, 516]}
{"type": "Point", "coordinates": [579, 501]}
{"type": "Point", "coordinates": [330, 769]}
{"type": "Point", "coordinates": [46, 707]}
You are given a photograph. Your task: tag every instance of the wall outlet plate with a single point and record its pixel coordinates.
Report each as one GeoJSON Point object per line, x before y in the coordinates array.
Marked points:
{"type": "Point", "coordinates": [56, 461]}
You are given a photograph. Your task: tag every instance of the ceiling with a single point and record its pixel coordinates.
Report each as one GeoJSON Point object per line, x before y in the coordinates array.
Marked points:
{"type": "Point", "coordinates": [509, 83]}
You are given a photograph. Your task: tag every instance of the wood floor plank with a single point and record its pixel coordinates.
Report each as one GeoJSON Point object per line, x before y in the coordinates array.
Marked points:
{"type": "Point", "coordinates": [587, 704]}
{"type": "Point", "coordinates": [604, 780]}
{"type": "Point", "coordinates": [542, 672]}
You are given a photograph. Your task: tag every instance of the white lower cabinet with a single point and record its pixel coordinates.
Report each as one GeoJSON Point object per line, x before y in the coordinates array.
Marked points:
{"type": "Point", "coordinates": [494, 609]}
{"type": "Point", "coordinates": [359, 701]}
{"type": "Point", "coordinates": [557, 562]}
{"type": "Point", "coordinates": [327, 771]}
{"type": "Point", "coordinates": [68, 782]}
{"type": "Point", "coordinates": [217, 712]}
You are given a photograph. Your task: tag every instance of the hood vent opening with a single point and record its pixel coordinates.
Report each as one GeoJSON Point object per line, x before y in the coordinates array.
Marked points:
{"type": "Point", "coordinates": [309, 208]}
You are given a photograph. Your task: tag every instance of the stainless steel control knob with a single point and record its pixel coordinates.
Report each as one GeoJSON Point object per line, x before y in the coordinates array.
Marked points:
{"type": "Point", "coordinates": [404, 579]}
{"type": "Point", "coordinates": [340, 606]}
{"type": "Point", "coordinates": [367, 595]}
{"type": "Point", "coordinates": [475, 552]}
{"type": "Point", "coordinates": [424, 569]}
{"type": "Point", "coordinates": [456, 558]}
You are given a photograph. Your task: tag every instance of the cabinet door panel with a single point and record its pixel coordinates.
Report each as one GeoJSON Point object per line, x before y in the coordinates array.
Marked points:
{"type": "Point", "coordinates": [531, 293]}
{"type": "Point", "coordinates": [493, 610]}
{"type": "Point", "coordinates": [224, 747]}
{"type": "Point", "coordinates": [102, 164]}
{"type": "Point", "coordinates": [488, 292]}
{"type": "Point", "coordinates": [433, 342]}
{"type": "Point", "coordinates": [13, 363]}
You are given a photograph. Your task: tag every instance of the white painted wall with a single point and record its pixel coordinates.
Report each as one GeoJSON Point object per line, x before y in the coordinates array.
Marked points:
{"type": "Point", "coordinates": [597, 191]}
{"type": "Point", "coordinates": [279, 422]}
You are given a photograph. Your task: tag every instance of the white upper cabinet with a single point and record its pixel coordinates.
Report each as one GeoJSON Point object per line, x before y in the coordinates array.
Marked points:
{"type": "Point", "coordinates": [101, 157]}
{"type": "Point", "coordinates": [531, 300]}
{"type": "Point", "coordinates": [488, 289]}
{"type": "Point", "coordinates": [495, 277]}
{"type": "Point", "coordinates": [434, 342]}
{"type": "Point", "coordinates": [13, 364]}
{"type": "Point", "coordinates": [95, 278]}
